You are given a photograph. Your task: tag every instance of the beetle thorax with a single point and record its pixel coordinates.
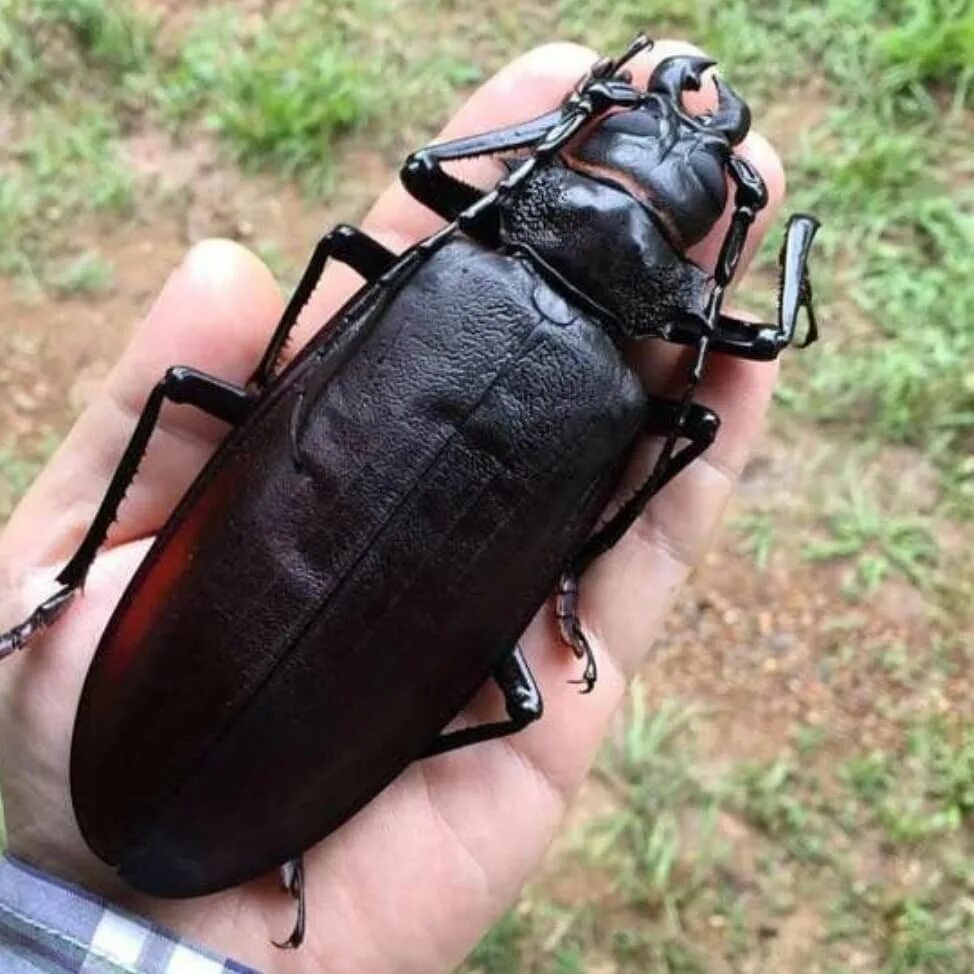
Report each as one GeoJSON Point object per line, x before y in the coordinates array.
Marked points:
{"type": "Point", "coordinates": [607, 244]}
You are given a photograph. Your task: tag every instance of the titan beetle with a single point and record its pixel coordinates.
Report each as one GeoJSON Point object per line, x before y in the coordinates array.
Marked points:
{"type": "Point", "coordinates": [390, 510]}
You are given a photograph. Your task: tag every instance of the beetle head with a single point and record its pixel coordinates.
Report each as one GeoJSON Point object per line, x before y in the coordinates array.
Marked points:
{"type": "Point", "coordinates": [673, 162]}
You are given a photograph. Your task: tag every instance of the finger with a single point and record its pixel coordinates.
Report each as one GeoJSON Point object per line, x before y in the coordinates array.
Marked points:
{"type": "Point", "coordinates": [527, 87]}
{"type": "Point", "coordinates": [213, 313]}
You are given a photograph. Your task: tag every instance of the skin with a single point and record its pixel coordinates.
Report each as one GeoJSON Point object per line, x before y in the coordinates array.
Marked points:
{"type": "Point", "coordinates": [412, 882]}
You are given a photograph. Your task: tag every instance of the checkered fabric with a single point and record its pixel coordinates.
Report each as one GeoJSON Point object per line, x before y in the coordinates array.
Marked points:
{"type": "Point", "coordinates": [50, 927]}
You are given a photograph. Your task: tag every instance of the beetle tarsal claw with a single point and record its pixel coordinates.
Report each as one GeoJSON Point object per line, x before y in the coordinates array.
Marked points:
{"type": "Point", "coordinates": [43, 616]}
{"type": "Point", "coordinates": [292, 880]}
{"type": "Point", "coordinates": [570, 629]}
{"type": "Point", "coordinates": [589, 677]}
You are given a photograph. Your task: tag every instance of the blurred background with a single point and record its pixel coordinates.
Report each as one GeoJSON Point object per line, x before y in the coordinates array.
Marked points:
{"type": "Point", "coordinates": [792, 788]}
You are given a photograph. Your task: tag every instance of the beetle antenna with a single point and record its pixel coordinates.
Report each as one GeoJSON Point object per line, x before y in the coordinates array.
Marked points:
{"type": "Point", "coordinates": [640, 43]}
{"type": "Point", "coordinates": [607, 67]}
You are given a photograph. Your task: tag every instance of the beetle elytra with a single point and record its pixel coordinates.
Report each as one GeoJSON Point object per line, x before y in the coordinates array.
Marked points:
{"type": "Point", "coordinates": [389, 511]}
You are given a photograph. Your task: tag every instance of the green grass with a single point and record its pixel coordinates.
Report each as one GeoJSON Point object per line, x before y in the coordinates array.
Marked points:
{"type": "Point", "coordinates": [17, 473]}
{"type": "Point", "coordinates": [920, 801]}
{"type": "Point", "coordinates": [86, 274]}
{"type": "Point", "coordinates": [53, 49]}
{"type": "Point", "coordinates": [279, 95]}
{"type": "Point", "coordinates": [756, 530]}
{"type": "Point", "coordinates": [885, 169]}
{"type": "Point", "coordinates": [807, 826]}
{"type": "Point", "coordinates": [80, 74]}
{"type": "Point", "coordinates": [659, 849]}
{"type": "Point", "coordinates": [888, 172]}
{"type": "Point", "coordinates": [644, 841]}
{"type": "Point", "coordinates": [499, 950]}
{"type": "Point", "coordinates": [770, 797]}
{"type": "Point", "coordinates": [882, 155]}
{"type": "Point", "coordinates": [65, 166]}
{"type": "Point", "coordinates": [934, 43]}
{"type": "Point", "coordinates": [878, 542]}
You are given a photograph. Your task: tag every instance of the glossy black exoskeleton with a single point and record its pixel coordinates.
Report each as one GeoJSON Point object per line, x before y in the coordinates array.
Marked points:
{"type": "Point", "coordinates": [392, 508]}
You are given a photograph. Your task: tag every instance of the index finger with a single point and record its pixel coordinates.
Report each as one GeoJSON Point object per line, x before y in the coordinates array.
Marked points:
{"type": "Point", "coordinates": [527, 87]}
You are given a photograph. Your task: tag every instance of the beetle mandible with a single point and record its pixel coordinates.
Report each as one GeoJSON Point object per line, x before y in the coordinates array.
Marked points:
{"type": "Point", "coordinates": [402, 497]}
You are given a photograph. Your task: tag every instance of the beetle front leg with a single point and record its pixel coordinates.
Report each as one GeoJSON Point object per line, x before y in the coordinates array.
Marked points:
{"type": "Point", "coordinates": [426, 180]}
{"type": "Point", "coordinates": [180, 384]}
{"type": "Point", "coordinates": [344, 243]}
{"type": "Point", "coordinates": [522, 699]}
{"type": "Point", "coordinates": [766, 341]}
{"type": "Point", "coordinates": [761, 341]}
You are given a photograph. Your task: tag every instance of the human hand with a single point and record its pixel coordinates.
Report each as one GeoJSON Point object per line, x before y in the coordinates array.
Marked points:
{"type": "Point", "coordinates": [414, 879]}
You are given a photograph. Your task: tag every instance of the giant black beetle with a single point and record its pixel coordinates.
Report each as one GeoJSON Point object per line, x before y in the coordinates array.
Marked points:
{"type": "Point", "coordinates": [390, 510]}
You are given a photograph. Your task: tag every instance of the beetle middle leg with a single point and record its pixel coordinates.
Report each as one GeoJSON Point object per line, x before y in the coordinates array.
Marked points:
{"type": "Point", "coordinates": [571, 631]}
{"type": "Point", "coordinates": [699, 426]}
{"type": "Point", "coordinates": [522, 699]}
{"type": "Point", "coordinates": [180, 384]}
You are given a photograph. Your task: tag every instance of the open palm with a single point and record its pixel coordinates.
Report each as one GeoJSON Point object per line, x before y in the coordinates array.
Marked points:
{"type": "Point", "coordinates": [414, 879]}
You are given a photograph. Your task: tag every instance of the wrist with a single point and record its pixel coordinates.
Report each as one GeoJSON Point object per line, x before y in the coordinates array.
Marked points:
{"type": "Point", "coordinates": [47, 923]}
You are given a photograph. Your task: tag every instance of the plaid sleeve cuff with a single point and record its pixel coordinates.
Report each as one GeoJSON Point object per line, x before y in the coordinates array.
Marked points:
{"type": "Point", "coordinates": [48, 926]}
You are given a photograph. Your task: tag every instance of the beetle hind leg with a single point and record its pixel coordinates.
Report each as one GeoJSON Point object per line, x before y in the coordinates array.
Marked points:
{"type": "Point", "coordinates": [292, 881]}
{"type": "Point", "coordinates": [571, 631]}
{"type": "Point", "coordinates": [522, 699]}
{"type": "Point", "coordinates": [179, 385]}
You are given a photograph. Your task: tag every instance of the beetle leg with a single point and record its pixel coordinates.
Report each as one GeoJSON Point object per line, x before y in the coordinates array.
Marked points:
{"type": "Point", "coordinates": [180, 385]}
{"type": "Point", "coordinates": [344, 243]}
{"type": "Point", "coordinates": [425, 178]}
{"type": "Point", "coordinates": [759, 340]}
{"type": "Point", "coordinates": [570, 629]}
{"type": "Point", "coordinates": [43, 616]}
{"type": "Point", "coordinates": [292, 879]}
{"type": "Point", "coordinates": [795, 292]}
{"type": "Point", "coordinates": [699, 426]}
{"type": "Point", "coordinates": [481, 220]}
{"type": "Point", "coordinates": [522, 699]}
